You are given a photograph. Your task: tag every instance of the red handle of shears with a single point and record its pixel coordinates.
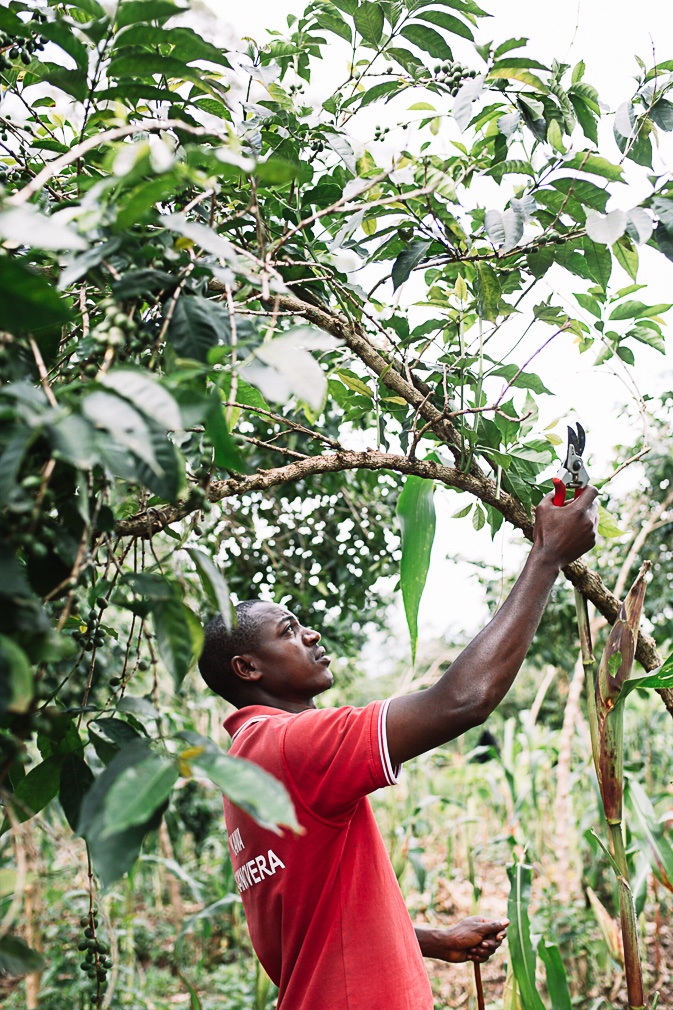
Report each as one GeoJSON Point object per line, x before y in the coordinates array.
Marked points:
{"type": "Point", "coordinates": [560, 492]}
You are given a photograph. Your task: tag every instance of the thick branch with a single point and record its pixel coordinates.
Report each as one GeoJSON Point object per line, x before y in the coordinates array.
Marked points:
{"type": "Point", "coordinates": [146, 524]}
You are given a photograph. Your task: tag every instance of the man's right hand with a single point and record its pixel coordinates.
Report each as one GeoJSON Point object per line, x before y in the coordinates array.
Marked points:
{"type": "Point", "coordinates": [564, 533]}
{"type": "Point", "coordinates": [480, 677]}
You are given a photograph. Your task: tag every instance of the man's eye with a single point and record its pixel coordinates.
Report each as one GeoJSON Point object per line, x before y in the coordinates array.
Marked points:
{"type": "Point", "coordinates": [288, 628]}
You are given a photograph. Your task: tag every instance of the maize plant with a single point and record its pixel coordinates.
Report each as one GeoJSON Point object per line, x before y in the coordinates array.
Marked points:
{"type": "Point", "coordinates": [606, 717]}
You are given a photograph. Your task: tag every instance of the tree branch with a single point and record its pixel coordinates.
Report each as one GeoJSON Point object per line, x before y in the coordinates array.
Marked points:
{"type": "Point", "coordinates": [590, 584]}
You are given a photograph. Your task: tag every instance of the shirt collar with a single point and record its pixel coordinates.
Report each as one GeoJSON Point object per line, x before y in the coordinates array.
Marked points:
{"type": "Point", "coordinates": [238, 719]}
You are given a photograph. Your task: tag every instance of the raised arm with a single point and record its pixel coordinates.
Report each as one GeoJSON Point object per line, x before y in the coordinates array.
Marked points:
{"type": "Point", "coordinates": [478, 680]}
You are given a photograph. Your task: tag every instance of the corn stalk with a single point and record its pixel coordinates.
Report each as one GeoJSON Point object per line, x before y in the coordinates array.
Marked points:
{"type": "Point", "coordinates": [606, 719]}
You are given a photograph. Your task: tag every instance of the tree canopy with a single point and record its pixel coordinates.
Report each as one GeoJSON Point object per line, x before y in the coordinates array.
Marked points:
{"type": "Point", "coordinates": [202, 396]}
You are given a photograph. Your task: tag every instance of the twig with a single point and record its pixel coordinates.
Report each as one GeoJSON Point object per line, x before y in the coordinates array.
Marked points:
{"type": "Point", "coordinates": [42, 372]}
{"type": "Point", "coordinates": [623, 466]}
{"type": "Point", "coordinates": [107, 137]}
{"type": "Point", "coordinates": [234, 346]}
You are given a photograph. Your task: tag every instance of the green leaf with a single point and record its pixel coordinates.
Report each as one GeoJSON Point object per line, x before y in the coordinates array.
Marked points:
{"type": "Point", "coordinates": [63, 36]}
{"type": "Point", "coordinates": [637, 310]}
{"type": "Point", "coordinates": [407, 60]}
{"type": "Point", "coordinates": [108, 736]}
{"type": "Point", "coordinates": [380, 91]}
{"type": "Point", "coordinates": [198, 324]}
{"type": "Point", "coordinates": [354, 383]}
{"type": "Point", "coordinates": [408, 260]}
{"type": "Point", "coordinates": [464, 6]}
{"type": "Point", "coordinates": [626, 255]}
{"type": "Point", "coordinates": [17, 958]}
{"type": "Point", "coordinates": [585, 161]}
{"type": "Point", "coordinates": [132, 12]}
{"type": "Point", "coordinates": [488, 291]}
{"type": "Point", "coordinates": [478, 517]}
{"type": "Point", "coordinates": [511, 167]}
{"type": "Point", "coordinates": [137, 793]}
{"type": "Point", "coordinates": [661, 113]}
{"type": "Point", "coordinates": [614, 663]}
{"type": "Point", "coordinates": [177, 643]}
{"type": "Point", "coordinates": [658, 847]}
{"type": "Point", "coordinates": [368, 20]}
{"type": "Point", "coordinates": [521, 950]}
{"type": "Point", "coordinates": [246, 784]}
{"type": "Point", "coordinates": [448, 22]}
{"type": "Point", "coordinates": [145, 391]}
{"type": "Point", "coordinates": [334, 23]}
{"type": "Point", "coordinates": [35, 791]}
{"type": "Point", "coordinates": [607, 526]}
{"type": "Point", "coordinates": [506, 47]}
{"type": "Point", "coordinates": [557, 982]}
{"type": "Point", "coordinates": [428, 40]}
{"type": "Point", "coordinates": [507, 72]}
{"type": "Point", "coordinates": [416, 515]}
{"type": "Point", "coordinates": [113, 854]}
{"type": "Point", "coordinates": [129, 428]}
{"type": "Point", "coordinates": [27, 300]}
{"type": "Point", "coordinates": [16, 677]}
{"type": "Point", "coordinates": [186, 44]}
{"type": "Point", "coordinates": [599, 261]}
{"type": "Point", "coordinates": [12, 459]}
{"type": "Point", "coordinates": [76, 780]}
{"type": "Point", "coordinates": [227, 452]}
{"type": "Point", "coordinates": [213, 583]}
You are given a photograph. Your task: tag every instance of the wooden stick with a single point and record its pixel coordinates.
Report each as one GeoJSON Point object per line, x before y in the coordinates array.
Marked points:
{"type": "Point", "coordinates": [480, 988]}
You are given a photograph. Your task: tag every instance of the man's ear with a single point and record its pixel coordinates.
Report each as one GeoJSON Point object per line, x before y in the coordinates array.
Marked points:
{"type": "Point", "coordinates": [245, 667]}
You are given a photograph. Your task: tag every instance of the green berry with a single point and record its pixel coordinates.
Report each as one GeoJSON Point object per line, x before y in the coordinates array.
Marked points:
{"type": "Point", "coordinates": [114, 681]}
{"type": "Point", "coordinates": [88, 932]}
{"type": "Point", "coordinates": [83, 945]}
{"type": "Point", "coordinates": [144, 664]}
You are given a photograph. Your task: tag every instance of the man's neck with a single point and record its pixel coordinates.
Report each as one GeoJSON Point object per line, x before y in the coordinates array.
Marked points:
{"type": "Point", "coordinates": [291, 705]}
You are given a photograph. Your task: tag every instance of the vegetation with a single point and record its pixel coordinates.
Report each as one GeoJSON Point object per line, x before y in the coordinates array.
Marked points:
{"type": "Point", "coordinates": [201, 397]}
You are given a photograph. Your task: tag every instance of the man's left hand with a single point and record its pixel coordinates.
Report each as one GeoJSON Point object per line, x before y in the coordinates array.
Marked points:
{"type": "Point", "coordinates": [471, 939]}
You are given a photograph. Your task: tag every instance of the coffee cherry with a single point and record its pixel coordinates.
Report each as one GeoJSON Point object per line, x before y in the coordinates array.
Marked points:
{"type": "Point", "coordinates": [88, 932]}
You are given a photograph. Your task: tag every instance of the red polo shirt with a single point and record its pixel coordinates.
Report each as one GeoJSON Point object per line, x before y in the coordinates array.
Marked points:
{"type": "Point", "coordinates": [325, 913]}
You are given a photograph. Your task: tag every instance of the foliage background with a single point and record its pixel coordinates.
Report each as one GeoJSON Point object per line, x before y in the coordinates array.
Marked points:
{"type": "Point", "coordinates": [171, 222]}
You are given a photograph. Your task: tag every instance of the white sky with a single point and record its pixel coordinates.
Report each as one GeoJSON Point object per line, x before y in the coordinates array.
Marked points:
{"type": "Point", "coordinates": [606, 35]}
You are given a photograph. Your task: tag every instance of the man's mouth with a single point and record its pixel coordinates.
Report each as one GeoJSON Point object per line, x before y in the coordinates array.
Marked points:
{"type": "Point", "coordinates": [321, 656]}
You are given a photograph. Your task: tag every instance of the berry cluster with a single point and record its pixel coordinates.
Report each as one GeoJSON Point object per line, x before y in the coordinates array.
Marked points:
{"type": "Point", "coordinates": [96, 962]}
{"type": "Point", "coordinates": [453, 74]}
{"type": "Point", "coordinates": [380, 132]}
{"type": "Point", "coordinates": [89, 634]}
{"type": "Point", "coordinates": [116, 328]}
{"type": "Point", "coordinates": [12, 49]}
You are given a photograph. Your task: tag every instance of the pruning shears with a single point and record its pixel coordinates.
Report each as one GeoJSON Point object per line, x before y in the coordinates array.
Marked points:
{"type": "Point", "coordinates": [573, 473]}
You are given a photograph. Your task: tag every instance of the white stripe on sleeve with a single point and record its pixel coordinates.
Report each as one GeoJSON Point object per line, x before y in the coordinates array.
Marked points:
{"type": "Point", "coordinates": [392, 774]}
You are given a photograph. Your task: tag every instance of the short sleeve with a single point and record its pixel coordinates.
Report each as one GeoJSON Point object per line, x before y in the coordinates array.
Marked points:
{"type": "Point", "coordinates": [334, 757]}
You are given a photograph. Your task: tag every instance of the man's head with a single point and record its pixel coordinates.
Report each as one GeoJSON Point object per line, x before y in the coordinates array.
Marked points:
{"type": "Point", "coordinates": [268, 658]}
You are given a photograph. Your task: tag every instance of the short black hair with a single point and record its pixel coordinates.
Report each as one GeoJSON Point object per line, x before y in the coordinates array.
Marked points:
{"type": "Point", "coordinates": [221, 645]}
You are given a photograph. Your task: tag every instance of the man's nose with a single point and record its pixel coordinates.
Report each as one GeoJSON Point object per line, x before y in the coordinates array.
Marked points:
{"type": "Point", "coordinates": [311, 635]}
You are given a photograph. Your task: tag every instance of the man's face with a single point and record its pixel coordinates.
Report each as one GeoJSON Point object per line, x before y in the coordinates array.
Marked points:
{"type": "Point", "coordinates": [292, 663]}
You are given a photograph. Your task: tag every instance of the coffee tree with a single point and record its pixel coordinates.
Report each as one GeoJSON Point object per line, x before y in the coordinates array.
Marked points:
{"type": "Point", "coordinates": [199, 397]}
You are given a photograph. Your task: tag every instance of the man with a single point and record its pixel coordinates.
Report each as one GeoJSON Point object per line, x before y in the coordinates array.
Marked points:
{"type": "Point", "coordinates": [326, 916]}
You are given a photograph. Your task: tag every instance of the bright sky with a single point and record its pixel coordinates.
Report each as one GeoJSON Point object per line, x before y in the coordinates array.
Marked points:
{"type": "Point", "coordinates": [606, 36]}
